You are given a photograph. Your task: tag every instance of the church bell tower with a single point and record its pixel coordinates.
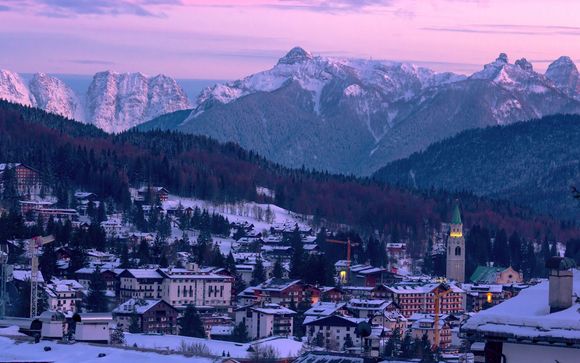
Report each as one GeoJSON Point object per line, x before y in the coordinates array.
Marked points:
{"type": "Point", "coordinates": [456, 248]}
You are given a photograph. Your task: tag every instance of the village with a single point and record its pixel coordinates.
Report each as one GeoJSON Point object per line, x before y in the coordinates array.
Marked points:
{"type": "Point", "coordinates": [247, 282]}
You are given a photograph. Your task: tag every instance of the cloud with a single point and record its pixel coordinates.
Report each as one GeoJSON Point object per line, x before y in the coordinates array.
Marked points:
{"type": "Point", "coordinates": [516, 29]}
{"type": "Point", "coordinates": [68, 8]}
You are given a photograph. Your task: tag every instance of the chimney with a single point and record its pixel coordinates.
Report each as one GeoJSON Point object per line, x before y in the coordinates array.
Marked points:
{"type": "Point", "coordinates": [560, 297]}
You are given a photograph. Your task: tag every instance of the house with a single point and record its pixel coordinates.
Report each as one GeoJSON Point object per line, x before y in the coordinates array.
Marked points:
{"type": "Point", "coordinates": [140, 284]}
{"type": "Point", "coordinates": [331, 293]}
{"type": "Point", "coordinates": [113, 227]}
{"type": "Point", "coordinates": [193, 286]}
{"type": "Point", "coordinates": [28, 206]}
{"type": "Point", "coordinates": [216, 319]}
{"type": "Point", "coordinates": [110, 276]}
{"type": "Point", "coordinates": [28, 180]}
{"type": "Point", "coordinates": [333, 332]}
{"type": "Point", "coordinates": [496, 275]}
{"type": "Point", "coordinates": [323, 309]}
{"type": "Point", "coordinates": [281, 291]}
{"type": "Point", "coordinates": [367, 308]}
{"type": "Point", "coordinates": [391, 320]}
{"type": "Point", "coordinates": [540, 324]}
{"type": "Point", "coordinates": [64, 295]}
{"type": "Point", "coordinates": [152, 194]}
{"type": "Point", "coordinates": [397, 250]}
{"type": "Point", "coordinates": [426, 326]}
{"type": "Point", "coordinates": [364, 274]}
{"type": "Point", "coordinates": [421, 298]}
{"type": "Point", "coordinates": [264, 319]}
{"type": "Point", "coordinates": [93, 327]}
{"type": "Point", "coordinates": [152, 316]}
{"type": "Point", "coordinates": [480, 297]}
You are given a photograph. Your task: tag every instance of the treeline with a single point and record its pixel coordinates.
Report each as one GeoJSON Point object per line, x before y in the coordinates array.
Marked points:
{"type": "Point", "coordinates": [73, 155]}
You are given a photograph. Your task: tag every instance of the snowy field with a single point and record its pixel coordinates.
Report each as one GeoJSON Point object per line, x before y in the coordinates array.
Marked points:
{"type": "Point", "coordinates": [284, 347]}
{"type": "Point", "coordinates": [11, 350]}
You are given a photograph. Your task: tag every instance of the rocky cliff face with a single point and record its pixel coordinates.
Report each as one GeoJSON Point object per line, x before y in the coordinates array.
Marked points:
{"type": "Point", "coordinates": [114, 101]}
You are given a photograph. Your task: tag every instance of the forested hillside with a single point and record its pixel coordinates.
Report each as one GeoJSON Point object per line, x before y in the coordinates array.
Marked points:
{"type": "Point", "coordinates": [72, 155]}
{"type": "Point", "coordinates": [531, 163]}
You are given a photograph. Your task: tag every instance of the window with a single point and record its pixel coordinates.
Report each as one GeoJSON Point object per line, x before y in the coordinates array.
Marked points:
{"type": "Point", "coordinates": [457, 251]}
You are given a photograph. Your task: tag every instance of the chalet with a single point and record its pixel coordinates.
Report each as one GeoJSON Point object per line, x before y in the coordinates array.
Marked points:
{"type": "Point", "coordinates": [110, 276]}
{"type": "Point", "coordinates": [152, 194]}
{"type": "Point", "coordinates": [496, 275]}
{"type": "Point", "coordinates": [152, 316]}
{"type": "Point", "coordinates": [331, 293]}
{"type": "Point", "coordinates": [212, 320]}
{"type": "Point", "coordinates": [367, 308]}
{"type": "Point", "coordinates": [540, 324]}
{"type": "Point", "coordinates": [479, 297]}
{"type": "Point", "coordinates": [280, 291]}
{"type": "Point", "coordinates": [263, 320]}
{"type": "Point", "coordinates": [323, 309]}
{"type": "Point", "coordinates": [397, 250]}
{"type": "Point", "coordinates": [28, 179]}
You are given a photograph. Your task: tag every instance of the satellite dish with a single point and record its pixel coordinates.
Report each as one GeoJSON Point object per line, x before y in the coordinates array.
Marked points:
{"type": "Point", "coordinates": [363, 329]}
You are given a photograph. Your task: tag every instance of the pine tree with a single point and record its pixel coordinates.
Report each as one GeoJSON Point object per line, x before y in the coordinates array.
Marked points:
{"type": "Point", "coordinates": [118, 337]}
{"type": "Point", "coordinates": [48, 261]}
{"type": "Point", "coordinates": [297, 259]}
{"type": "Point", "coordinates": [96, 298]}
{"type": "Point", "coordinates": [101, 213]}
{"type": "Point", "coordinates": [278, 270]}
{"type": "Point", "coordinates": [134, 325]}
{"type": "Point", "coordinates": [125, 262]}
{"type": "Point", "coordinates": [163, 262]}
{"type": "Point", "coordinates": [393, 344]}
{"type": "Point", "coordinates": [240, 333]}
{"type": "Point", "coordinates": [407, 346]}
{"type": "Point", "coordinates": [500, 249]}
{"type": "Point", "coordinates": [258, 274]}
{"type": "Point", "coordinates": [143, 253]}
{"type": "Point", "coordinates": [190, 324]}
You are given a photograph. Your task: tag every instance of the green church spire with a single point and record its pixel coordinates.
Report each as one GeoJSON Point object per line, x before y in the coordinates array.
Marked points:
{"type": "Point", "coordinates": [456, 219]}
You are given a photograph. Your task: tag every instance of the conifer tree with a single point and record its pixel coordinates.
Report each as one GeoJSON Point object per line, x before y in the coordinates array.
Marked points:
{"type": "Point", "coordinates": [278, 270]}
{"type": "Point", "coordinates": [190, 324]}
{"type": "Point", "coordinates": [258, 274]}
{"type": "Point", "coordinates": [96, 298]}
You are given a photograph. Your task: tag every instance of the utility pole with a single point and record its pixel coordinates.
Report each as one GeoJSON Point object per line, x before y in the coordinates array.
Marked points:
{"type": "Point", "coordinates": [4, 272]}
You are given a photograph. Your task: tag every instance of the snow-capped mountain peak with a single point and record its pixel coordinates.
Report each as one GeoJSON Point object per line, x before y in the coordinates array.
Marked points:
{"type": "Point", "coordinates": [564, 73]}
{"type": "Point", "coordinates": [295, 55]}
{"type": "Point", "coordinates": [53, 95]}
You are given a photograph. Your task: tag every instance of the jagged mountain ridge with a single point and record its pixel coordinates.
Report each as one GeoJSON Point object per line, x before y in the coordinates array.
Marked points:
{"type": "Point", "coordinates": [354, 116]}
{"type": "Point", "coordinates": [114, 101]}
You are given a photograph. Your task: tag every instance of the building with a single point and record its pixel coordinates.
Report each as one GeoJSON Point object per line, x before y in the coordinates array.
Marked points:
{"type": "Point", "coordinates": [333, 332]}
{"type": "Point", "coordinates": [323, 309]}
{"type": "Point", "coordinates": [28, 179]}
{"type": "Point", "coordinates": [540, 324]}
{"type": "Point", "coordinates": [152, 194]}
{"type": "Point", "coordinates": [140, 284]}
{"type": "Point", "coordinates": [57, 214]}
{"type": "Point", "coordinates": [426, 326]}
{"type": "Point", "coordinates": [496, 275]}
{"type": "Point", "coordinates": [192, 286]}
{"type": "Point", "coordinates": [263, 320]}
{"type": "Point", "coordinates": [456, 248]}
{"type": "Point", "coordinates": [480, 297]}
{"type": "Point", "coordinates": [152, 316]}
{"type": "Point", "coordinates": [367, 308]}
{"type": "Point", "coordinates": [413, 299]}
{"type": "Point", "coordinates": [280, 291]}
{"type": "Point", "coordinates": [64, 295]}
{"type": "Point", "coordinates": [110, 276]}
{"type": "Point", "coordinates": [93, 327]}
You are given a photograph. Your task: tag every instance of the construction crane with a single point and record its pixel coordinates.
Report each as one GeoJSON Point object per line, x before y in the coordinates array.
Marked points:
{"type": "Point", "coordinates": [437, 296]}
{"type": "Point", "coordinates": [349, 245]}
{"type": "Point", "coordinates": [33, 246]}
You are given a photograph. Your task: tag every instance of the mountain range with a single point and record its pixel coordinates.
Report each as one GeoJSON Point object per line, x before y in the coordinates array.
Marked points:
{"type": "Point", "coordinates": [532, 163]}
{"type": "Point", "coordinates": [339, 115]}
{"type": "Point", "coordinates": [354, 116]}
{"type": "Point", "coordinates": [113, 101]}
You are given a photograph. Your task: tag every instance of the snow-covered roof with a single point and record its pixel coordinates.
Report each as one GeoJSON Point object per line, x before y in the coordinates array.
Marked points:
{"type": "Point", "coordinates": [24, 275]}
{"type": "Point", "coordinates": [368, 304]}
{"type": "Point", "coordinates": [275, 284]}
{"type": "Point", "coordinates": [324, 308]}
{"type": "Point", "coordinates": [527, 317]}
{"type": "Point", "coordinates": [138, 306]}
{"type": "Point", "coordinates": [273, 309]}
{"type": "Point", "coordinates": [144, 273]}
{"type": "Point", "coordinates": [421, 289]}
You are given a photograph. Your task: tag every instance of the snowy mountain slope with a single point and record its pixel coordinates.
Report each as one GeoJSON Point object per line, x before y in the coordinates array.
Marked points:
{"type": "Point", "coordinates": [13, 89]}
{"type": "Point", "coordinates": [114, 101]}
{"type": "Point", "coordinates": [355, 115]}
{"type": "Point", "coordinates": [53, 95]}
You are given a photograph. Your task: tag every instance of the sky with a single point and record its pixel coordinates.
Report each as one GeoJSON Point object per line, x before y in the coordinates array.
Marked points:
{"type": "Point", "coordinates": [229, 39]}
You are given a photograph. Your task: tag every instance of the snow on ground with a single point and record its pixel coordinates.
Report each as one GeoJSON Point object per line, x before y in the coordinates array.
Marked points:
{"type": "Point", "coordinates": [10, 331]}
{"type": "Point", "coordinates": [251, 212]}
{"type": "Point", "coordinates": [285, 348]}
{"type": "Point", "coordinates": [86, 353]}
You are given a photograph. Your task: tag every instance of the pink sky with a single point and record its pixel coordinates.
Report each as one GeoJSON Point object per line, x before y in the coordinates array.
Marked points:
{"type": "Point", "coordinates": [227, 39]}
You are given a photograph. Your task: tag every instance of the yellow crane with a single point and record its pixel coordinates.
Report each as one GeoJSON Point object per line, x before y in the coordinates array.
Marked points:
{"type": "Point", "coordinates": [349, 245]}
{"type": "Point", "coordinates": [438, 295]}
